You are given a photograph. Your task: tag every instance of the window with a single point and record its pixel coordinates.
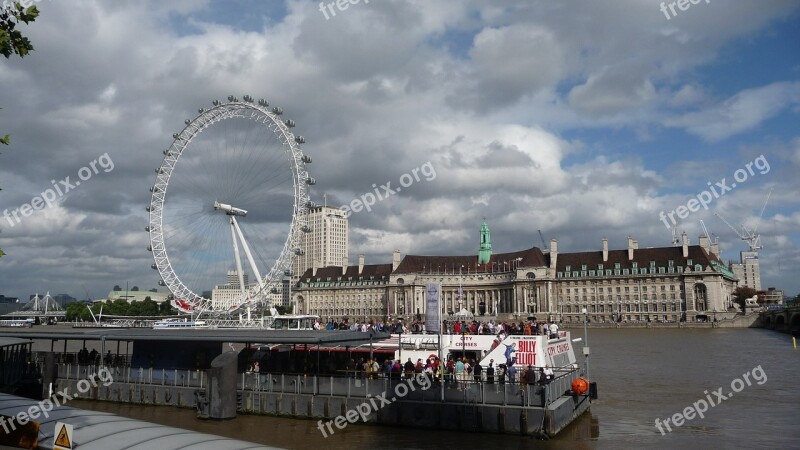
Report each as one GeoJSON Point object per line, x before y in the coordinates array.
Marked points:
{"type": "Point", "coordinates": [568, 268]}
{"type": "Point", "coordinates": [583, 267]}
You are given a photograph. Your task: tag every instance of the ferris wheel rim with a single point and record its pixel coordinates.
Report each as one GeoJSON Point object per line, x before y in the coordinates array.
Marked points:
{"type": "Point", "coordinates": [185, 298]}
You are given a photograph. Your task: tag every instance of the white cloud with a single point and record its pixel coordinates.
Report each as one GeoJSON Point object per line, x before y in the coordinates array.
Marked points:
{"type": "Point", "coordinates": [740, 113]}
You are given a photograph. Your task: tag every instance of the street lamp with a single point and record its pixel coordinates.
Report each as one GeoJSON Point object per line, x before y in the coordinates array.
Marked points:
{"type": "Point", "coordinates": [586, 341]}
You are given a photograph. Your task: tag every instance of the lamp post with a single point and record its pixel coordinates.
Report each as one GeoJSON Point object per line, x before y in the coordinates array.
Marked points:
{"type": "Point", "coordinates": [586, 341]}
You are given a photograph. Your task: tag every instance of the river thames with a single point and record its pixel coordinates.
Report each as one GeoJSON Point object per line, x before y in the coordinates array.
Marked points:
{"type": "Point", "coordinates": [642, 375]}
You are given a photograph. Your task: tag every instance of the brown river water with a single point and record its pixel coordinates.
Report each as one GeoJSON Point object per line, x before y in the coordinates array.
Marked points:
{"type": "Point", "coordinates": [642, 375]}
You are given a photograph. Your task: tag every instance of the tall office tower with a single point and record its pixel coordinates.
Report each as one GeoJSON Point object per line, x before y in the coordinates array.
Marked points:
{"type": "Point", "coordinates": [326, 243]}
{"type": "Point", "coordinates": [747, 271]}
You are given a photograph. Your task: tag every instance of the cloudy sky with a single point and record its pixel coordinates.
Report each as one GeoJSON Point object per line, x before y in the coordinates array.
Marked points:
{"type": "Point", "coordinates": [583, 119]}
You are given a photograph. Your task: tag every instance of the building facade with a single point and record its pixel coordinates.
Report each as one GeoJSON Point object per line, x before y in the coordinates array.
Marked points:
{"type": "Point", "coordinates": [747, 270]}
{"type": "Point", "coordinates": [325, 244]}
{"type": "Point", "coordinates": [686, 282]}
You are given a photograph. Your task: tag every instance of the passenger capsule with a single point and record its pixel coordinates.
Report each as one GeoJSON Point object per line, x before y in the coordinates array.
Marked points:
{"type": "Point", "coordinates": [290, 123]}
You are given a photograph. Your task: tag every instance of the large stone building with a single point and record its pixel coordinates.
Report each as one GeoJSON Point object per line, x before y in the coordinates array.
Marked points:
{"type": "Point", "coordinates": [685, 282]}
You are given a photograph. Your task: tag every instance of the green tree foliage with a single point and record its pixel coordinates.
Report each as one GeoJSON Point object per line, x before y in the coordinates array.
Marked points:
{"type": "Point", "coordinates": [119, 307]}
{"type": "Point", "coordinates": [78, 311]}
{"type": "Point", "coordinates": [11, 39]}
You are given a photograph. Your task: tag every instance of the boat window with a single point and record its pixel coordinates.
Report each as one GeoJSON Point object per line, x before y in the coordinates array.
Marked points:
{"type": "Point", "coordinates": [279, 324]}
{"type": "Point", "coordinates": [294, 324]}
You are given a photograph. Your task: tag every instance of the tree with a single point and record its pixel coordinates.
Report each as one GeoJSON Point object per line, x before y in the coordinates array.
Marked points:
{"type": "Point", "coordinates": [742, 293]}
{"type": "Point", "coordinates": [166, 309]}
{"type": "Point", "coordinates": [11, 40]}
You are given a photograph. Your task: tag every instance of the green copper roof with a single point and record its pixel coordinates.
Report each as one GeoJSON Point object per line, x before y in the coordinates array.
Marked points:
{"type": "Point", "coordinates": [485, 252]}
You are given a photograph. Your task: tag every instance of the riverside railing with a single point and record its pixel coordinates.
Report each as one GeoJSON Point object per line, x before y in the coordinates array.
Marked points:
{"type": "Point", "coordinates": [469, 392]}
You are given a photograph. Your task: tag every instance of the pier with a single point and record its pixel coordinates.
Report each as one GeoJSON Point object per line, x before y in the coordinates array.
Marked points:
{"type": "Point", "coordinates": [163, 369]}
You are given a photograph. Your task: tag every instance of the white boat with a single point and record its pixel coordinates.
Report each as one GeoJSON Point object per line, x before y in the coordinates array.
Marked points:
{"type": "Point", "coordinates": [522, 350]}
{"type": "Point", "coordinates": [293, 322]}
{"type": "Point", "coordinates": [179, 324]}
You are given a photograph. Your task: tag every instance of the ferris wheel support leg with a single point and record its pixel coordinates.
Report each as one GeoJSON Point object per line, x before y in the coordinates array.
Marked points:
{"type": "Point", "coordinates": [236, 255]}
{"type": "Point", "coordinates": [247, 253]}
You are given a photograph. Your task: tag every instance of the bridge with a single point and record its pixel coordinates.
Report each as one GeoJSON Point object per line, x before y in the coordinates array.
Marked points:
{"type": "Point", "coordinates": [786, 319]}
{"type": "Point", "coordinates": [42, 310]}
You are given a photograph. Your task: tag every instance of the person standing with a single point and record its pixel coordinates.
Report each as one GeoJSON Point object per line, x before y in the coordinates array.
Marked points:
{"type": "Point", "coordinates": [553, 331]}
{"type": "Point", "coordinates": [459, 370]}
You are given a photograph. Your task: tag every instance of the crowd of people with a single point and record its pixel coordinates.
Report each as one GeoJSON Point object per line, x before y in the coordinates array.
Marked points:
{"type": "Point", "coordinates": [490, 327]}
{"type": "Point", "coordinates": [457, 372]}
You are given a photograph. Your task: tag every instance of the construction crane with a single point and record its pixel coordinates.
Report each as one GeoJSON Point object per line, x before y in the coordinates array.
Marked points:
{"type": "Point", "coordinates": [544, 244]}
{"type": "Point", "coordinates": [752, 237]}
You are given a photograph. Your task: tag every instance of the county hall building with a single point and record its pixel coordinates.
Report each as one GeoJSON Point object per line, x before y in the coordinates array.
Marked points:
{"type": "Point", "coordinates": [666, 284]}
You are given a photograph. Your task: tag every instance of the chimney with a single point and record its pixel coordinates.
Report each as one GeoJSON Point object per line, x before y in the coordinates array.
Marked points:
{"type": "Point", "coordinates": [704, 242]}
{"type": "Point", "coordinates": [553, 253]}
{"type": "Point", "coordinates": [314, 267]}
{"type": "Point", "coordinates": [395, 260]}
{"type": "Point", "coordinates": [636, 245]}
{"type": "Point", "coordinates": [605, 249]}
{"type": "Point", "coordinates": [685, 239]}
{"type": "Point", "coordinates": [715, 248]}
{"type": "Point", "coordinates": [344, 266]}
{"type": "Point", "coordinates": [360, 264]}
{"type": "Point", "coordinates": [630, 248]}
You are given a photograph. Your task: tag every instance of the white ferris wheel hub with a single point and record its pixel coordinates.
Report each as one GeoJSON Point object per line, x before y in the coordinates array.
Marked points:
{"type": "Point", "coordinates": [229, 210]}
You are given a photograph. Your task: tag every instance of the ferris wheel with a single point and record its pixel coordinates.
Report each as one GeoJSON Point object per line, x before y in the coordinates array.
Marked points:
{"type": "Point", "coordinates": [226, 207]}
